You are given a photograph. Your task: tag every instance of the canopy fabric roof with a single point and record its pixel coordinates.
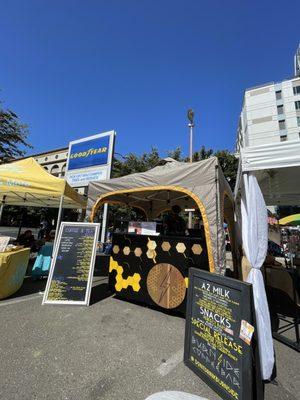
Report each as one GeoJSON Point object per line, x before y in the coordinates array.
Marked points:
{"type": "Point", "coordinates": [277, 168]}
{"type": "Point", "coordinates": [199, 185]}
{"type": "Point", "coordinates": [26, 183]}
{"type": "Point", "coordinates": [293, 219]}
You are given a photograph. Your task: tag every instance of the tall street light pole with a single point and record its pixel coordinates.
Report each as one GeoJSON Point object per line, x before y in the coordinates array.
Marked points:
{"type": "Point", "coordinates": [190, 115]}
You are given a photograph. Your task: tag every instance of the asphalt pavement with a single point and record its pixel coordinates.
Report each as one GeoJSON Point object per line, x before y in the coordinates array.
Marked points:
{"type": "Point", "coordinates": [110, 350]}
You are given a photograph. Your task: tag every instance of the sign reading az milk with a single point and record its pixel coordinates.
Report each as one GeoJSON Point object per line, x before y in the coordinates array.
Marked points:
{"type": "Point", "coordinates": [90, 159]}
{"type": "Point", "coordinates": [217, 308]}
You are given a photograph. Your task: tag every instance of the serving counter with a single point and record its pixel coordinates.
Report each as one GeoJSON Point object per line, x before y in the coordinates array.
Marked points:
{"type": "Point", "coordinates": [154, 269]}
{"type": "Point", "coordinates": [13, 265]}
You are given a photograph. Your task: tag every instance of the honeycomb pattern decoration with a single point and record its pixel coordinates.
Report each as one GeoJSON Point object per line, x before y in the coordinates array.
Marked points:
{"type": "Point", "coordinates": [166, 285]}
{"type": "Point", "coordinates": [121, 283]}
{"type": "Point", "coordinates": [126, 251]}
{"type": "Point", "coordinates": [180, 247]}
{"type": "Point", "coordinates": [165, 246]}
{"type": "Point", "coordinates": [138, 252]}
{"type": "Point", "coordinates": [151, 253]}
{"type": "Point", "coordinates": [116, 249]}
{"type": "Point", "coordinates": [197, 249]}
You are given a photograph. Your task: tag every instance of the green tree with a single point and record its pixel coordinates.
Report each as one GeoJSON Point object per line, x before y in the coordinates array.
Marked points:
{"type": "Point", "coordinates": [13, 135]}
{"type": "Point", "coordinates": [132, 163]}
{"type": "Point", "coordinates": [229, 165]}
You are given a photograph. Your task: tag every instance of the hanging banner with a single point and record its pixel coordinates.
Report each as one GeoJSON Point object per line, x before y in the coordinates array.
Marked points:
{"type": "Point", "coordinates": [90, 159]}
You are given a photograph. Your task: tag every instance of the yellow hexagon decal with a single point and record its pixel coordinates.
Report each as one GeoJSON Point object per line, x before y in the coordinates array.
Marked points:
{"type": "Point", "coordinates": [165, 246]}
{"type": "Point", "coordinates": [136, 286]}
{"type": "Point", "coordinates": [116, 249]}
{"type": "Point", "coordinates": [151, 253]}
{"type": "Point", "coordinates": [151, 244]}
{"type": "Point", "coordinates": [119, 270]}
{"type": "Point", "coordinates": [136, 277]}
{"type": "Point", "coordinates": [118, 286]}
{"type": "Point", "coordinates": [125, 284]}
{"type": "Point", "coordinates": [180, 247]}
{"type": "Point", "coordinates": [197, 249]}
{"type": "Point", "coordinates": [138, 252]}
{"type": "Point", "coordinates": [126, 250]}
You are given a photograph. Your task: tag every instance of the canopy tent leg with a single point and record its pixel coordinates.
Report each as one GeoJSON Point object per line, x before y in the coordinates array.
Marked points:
{"type": "Point", "coordinates": [104, 222]}
{"type": "Point", "coordinates": [58, 218]}
{"type": "Point", "coordinates": [2, 206]}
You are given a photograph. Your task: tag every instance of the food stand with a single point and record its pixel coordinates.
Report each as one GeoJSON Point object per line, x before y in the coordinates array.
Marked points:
{"type": "Point", "coordinates": [154, 269]}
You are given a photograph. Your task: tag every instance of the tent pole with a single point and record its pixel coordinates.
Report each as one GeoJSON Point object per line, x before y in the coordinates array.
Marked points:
{"type": "Point", "coordinates": [2, 206]}
{"type": "Point", "coordinates": [21, 223]}
{"type": "Point", "coordinates": [58, 218]}
{"type": "Point", "coordinates": [104, 221]}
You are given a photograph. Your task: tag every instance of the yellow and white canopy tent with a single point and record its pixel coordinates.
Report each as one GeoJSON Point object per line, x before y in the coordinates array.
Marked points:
{"type": "Point", "coordinates": [26, 183]}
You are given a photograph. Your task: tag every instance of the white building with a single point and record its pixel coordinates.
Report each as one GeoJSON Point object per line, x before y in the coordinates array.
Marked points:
{"type": "Point", "coordinates": [268, 139]}
{"type": "Point", "coordinates": [271, 113]}
{"type": "Point", "coordinates": [54, 161]}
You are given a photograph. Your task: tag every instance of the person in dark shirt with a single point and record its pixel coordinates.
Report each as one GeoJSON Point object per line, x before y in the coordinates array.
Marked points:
{"type": "Point", "coordinates": [174, 224]}
{"type": "Point", "coordinates": [27, 239]}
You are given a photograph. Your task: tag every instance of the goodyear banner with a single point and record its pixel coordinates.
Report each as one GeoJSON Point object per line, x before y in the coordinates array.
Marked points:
{"type": "Point", "coordinates": [89, 159]}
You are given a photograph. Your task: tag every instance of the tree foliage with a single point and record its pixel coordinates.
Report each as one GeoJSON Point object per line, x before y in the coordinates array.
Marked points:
{"type": "Point", "coordinates": [13, 134]}
{"type": "Point", "coordinates": [133, 163]}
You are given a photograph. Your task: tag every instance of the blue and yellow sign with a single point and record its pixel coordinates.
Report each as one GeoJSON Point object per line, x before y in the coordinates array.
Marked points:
{"type": "Point", "coordinates": [89, 153]}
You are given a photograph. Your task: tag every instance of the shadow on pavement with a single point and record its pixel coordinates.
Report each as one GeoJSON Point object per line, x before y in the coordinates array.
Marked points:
{"type": "Point", "coordinates": [30, 287]}
{"type": "Point", "coordinates": [99, 292]}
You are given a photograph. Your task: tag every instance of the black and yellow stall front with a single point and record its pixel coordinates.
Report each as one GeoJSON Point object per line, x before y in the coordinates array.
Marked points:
{"type": "Point", "coordinates": [154, 270]}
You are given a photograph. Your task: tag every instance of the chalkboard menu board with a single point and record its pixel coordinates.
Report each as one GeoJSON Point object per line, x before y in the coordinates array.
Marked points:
{"type": "Point", "coordinates": [71, 273]}
{"type": "Point", "coordinates": [218, 336]}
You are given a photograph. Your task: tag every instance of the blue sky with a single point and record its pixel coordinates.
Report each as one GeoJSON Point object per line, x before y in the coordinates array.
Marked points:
{"type": "Point", "coordinates": [72, 68]}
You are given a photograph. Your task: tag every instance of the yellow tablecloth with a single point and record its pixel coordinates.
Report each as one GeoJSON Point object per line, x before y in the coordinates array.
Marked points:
{"type": "Point", "coordinates": [13, 267]}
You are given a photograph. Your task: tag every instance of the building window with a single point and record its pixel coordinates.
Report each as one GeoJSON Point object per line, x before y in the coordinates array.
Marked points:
{"type": "Point", "coordinates": [298, 121]}
{"type": "Point", "coordinates": [281, 124]}
{"type": "Point", "coordinates": [55, 170]}
{"type": "Point", "coordinates": [63, 170]}
{"type": "Point", "coordinates": [46, 158]}
{"type": "Point", "coordinates": [297, 105]}
{"type": "Point", "coordinates": [56, 156]}
{"type": "Point", "coordinates": [283, 138]}
{"type": "Point", "coordinates": [296, 90]}
{"type": "Point", "coordinates": [279, 109]}
{"type": "Point", "coordinates": [278, 95]}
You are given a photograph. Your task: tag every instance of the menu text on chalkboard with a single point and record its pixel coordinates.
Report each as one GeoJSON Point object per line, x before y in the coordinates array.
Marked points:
{"type": "Point", "coordinates": [72, 267]}
{"type": "Point", "coordinates": [219, 328]}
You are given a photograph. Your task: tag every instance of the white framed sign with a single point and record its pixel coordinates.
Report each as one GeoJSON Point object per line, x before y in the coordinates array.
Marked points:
{"type": "Point", "coordinates": [71, 272]}
{"type": "Point", "coordinates": [90, 159]}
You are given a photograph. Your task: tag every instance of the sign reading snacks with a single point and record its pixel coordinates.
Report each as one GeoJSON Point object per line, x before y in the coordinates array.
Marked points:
{"type": "Point", "coordinates": [219, 310]}
{"type": "Point", "coordinates": [89, 159]}
{"type": "Point", "coordinates": [71, 272]}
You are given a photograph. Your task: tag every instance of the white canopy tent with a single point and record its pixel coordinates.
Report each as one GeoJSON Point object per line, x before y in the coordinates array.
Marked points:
{"type": "Point", "coordinates": [277, 169]}
{"type": "Point", "coordinates": [267, 175]}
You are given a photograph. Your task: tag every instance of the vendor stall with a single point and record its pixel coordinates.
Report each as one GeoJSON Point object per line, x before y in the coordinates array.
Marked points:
{"type": "Point", "coordinates": [154, 269]}
{"type": "Point", "coordinates": [26, 183]}
{"type": "Point", "coordinates": [13, 265]}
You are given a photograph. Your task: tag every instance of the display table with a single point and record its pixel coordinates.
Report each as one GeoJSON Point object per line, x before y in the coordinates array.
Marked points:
{"type": "Point", "coordinates": [13, 267]}
{"type": "Point", "coordinates": [154, 269]}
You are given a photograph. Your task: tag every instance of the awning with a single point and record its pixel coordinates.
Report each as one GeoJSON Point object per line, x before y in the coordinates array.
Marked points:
{"type": "Point", "coordinates": [290, 220]}
{"type": "Point", "coordinates": [26, 183]}
{"type": "Point", "coordinates": [277, 169]}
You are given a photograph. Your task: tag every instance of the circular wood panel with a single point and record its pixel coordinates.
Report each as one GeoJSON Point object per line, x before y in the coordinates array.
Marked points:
{"type": "Point", "coordinates": [166, 285]}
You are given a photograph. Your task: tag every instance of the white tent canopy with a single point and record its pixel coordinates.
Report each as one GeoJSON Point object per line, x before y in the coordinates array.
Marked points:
{"type": "Point", "coordinates": [277, 169]}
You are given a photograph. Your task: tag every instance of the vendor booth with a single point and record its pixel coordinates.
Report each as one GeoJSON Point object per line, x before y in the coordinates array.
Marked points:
{"type": "Point", "coordinates": [153, 268]}
{"type": "Point", "coordinates": [26, 183]}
